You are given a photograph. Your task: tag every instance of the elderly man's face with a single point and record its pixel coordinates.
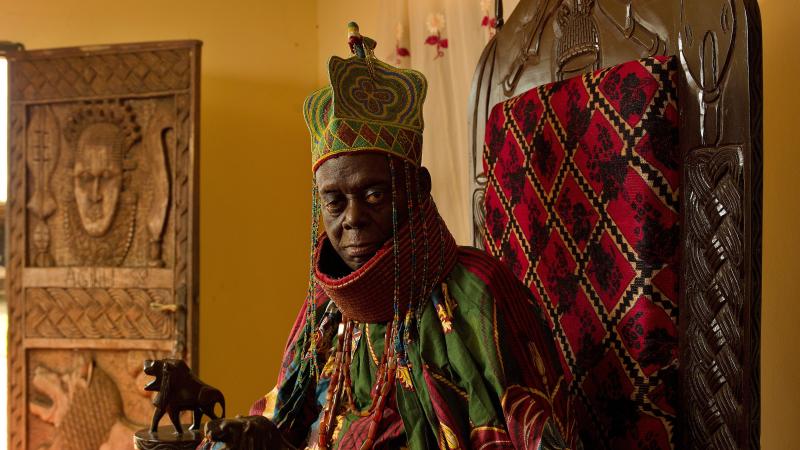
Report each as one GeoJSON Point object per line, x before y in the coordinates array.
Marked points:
{"type": "Point", "coordinates": [356, 197]}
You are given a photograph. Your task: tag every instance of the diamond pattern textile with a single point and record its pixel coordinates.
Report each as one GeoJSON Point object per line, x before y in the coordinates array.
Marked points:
{"type": "Point", "coordinates": [582, 203]}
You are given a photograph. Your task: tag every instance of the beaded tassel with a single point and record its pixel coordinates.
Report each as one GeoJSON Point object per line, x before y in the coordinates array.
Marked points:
{"type": "Point", "coordinates": [395, 252]}
{"type": "Point", "coordinates": [309, 331]}
{"type": "Point", "coordinates": [441, 249]}
{"type": "Point", "coordinates": [411, 226]}
{"type": "Point", "coordinates": [348, 359]}
{"type": "Point", "coordinates": [337, 381]}
{"type": "Point", "coordinates": [424, 288]}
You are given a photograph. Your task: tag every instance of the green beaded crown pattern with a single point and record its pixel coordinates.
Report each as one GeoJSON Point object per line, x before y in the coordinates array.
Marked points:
{"type": "Point", "coordinates": [370, 106]}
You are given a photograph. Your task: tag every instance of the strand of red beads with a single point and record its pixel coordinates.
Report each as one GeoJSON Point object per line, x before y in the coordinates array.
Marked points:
{"type": "Point", "coordinates": [341, 382]}
{"type": "Point", "coordinates": [383, 389]}
{"type": "Point", "coordinates": [348, 358]}
{"type": "Point", "coordinates": [335, 385]}
{"type": "Point", "coordinates": [381, 370]}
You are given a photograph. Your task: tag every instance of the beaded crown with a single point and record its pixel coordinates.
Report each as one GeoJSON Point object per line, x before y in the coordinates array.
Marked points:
{"type": "Point", "coordinates": [369, 106]}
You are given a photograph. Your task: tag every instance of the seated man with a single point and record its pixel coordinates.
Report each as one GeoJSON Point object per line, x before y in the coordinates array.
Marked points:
{"type": "Point", "coordinates": [405, 340]}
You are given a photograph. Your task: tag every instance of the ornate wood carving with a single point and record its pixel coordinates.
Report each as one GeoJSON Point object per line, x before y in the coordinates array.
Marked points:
{"type": "Point", "coordinates": [14, 286]}
{"type": "Point", "coordinates": [84, 399]}
{"type": "Point", "coordinates": [102, 236]}
{"type": "Point", "coordinates": [107, 74]}
{"type": "Point", "coordinates": [719, 44]}
{"type": "Point", "coordinates": [41, 160]}
{"type": "Point", "coordinates": [577, 39]}
{"type": "Point", "coordinates": [185, 227]}
{"type": "Point", "coordinates": [97, 313]}
{"type": "Point", "coordinates": [720, 52]}
{"type": "Point", "coordinates": [714, 294]}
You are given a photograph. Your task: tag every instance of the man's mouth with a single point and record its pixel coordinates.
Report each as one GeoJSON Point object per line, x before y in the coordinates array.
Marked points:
{"type": "Point", "coordinates": [361, 250]}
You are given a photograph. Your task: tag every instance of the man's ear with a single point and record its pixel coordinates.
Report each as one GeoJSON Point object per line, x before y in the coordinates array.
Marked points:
{"type": "Point", "coordinates": [424, 182]}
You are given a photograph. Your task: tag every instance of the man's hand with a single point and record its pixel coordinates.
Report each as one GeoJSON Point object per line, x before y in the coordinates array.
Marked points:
{"type": "Point", "coordinates": [245, 433]}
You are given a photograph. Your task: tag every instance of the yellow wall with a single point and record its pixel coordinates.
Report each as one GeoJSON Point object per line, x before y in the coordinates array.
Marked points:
{"type": "Point", "coordinates": [780, 389]}
{"type": "Point", "coordinates": [259, 62]}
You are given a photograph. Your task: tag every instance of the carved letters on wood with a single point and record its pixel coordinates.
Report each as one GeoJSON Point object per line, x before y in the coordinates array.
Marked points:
{"type": "Point", "coordinates": [102, 236]}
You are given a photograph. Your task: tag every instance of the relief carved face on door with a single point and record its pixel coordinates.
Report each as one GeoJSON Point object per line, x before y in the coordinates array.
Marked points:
{"type": "Point", "coordinates": [97, 175]}
{"type": "Point", "coordinates": [101, 207]}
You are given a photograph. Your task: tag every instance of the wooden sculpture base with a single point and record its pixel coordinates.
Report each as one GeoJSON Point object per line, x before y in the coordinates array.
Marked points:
{"type": "Point", "coordinates": [166, 439]}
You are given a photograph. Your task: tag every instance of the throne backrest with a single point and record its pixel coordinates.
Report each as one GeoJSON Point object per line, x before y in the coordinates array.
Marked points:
{"type": "Point", "coordinates": [717, 46]}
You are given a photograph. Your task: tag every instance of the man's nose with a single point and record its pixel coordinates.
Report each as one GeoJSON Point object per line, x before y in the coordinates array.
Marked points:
{"type": "Point", "coordinates": [354, 215]}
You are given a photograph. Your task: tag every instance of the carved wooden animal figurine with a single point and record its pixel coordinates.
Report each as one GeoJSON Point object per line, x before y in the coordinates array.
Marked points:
{"type": "Point", "coordinates": [180, 390]}
{"type": "Point", "coordinates": [245, 433]}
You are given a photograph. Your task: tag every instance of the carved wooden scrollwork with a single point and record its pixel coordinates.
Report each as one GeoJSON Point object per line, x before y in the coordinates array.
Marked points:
{"type": "Point", "coordinates": [528, 54]}
{"type": "Point", "coordinates": [578, 46]}
{"type": "Point", "coordinates": [631, 26]}
{"type": "Point", "coordinates": [706, 44]}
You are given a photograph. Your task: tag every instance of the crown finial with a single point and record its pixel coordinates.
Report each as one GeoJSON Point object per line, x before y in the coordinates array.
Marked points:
{"type": "Point", "coordinates": [360, 46]}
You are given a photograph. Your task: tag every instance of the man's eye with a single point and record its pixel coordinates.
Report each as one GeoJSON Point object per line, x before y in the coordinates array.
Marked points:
{"type": "Point", "coordinates": [374, 197]}
{"type": "Point", "coordinates": [333, 206]}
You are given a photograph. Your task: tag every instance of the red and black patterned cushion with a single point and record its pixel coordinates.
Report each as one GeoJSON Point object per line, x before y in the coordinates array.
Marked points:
{"type": "Point", "coordinates": [582, 203]}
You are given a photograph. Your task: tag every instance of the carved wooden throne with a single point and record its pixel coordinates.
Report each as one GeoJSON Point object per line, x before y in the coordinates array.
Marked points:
{"type": "Point", "coordinates": [716, 45]}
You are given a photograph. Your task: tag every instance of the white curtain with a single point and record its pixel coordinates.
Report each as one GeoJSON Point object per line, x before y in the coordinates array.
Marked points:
{"type": "Point", "coordinates": [443, 39]}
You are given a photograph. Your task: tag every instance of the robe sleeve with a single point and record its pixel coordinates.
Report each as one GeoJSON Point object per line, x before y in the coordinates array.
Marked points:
{"type": "Point", "coordinates": [490, 368]}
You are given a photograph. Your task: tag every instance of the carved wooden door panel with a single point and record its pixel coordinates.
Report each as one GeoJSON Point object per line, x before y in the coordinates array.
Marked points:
{"type": "Point", "coordinates": [102, 223]}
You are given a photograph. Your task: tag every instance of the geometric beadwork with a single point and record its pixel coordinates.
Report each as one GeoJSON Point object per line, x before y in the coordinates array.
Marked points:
{"type": "Point", "coordinates": [369, 106]}
{"type": "Point", "coordinates": [582, 203]}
